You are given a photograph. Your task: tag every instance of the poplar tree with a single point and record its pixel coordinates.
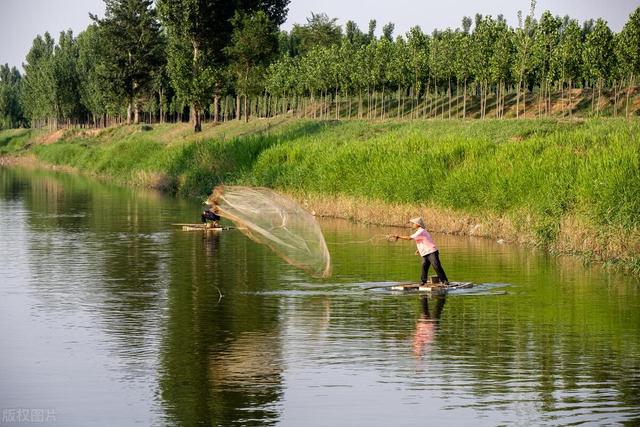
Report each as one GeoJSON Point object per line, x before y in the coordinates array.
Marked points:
{"type": "Point", "coordinates": [131, 50]}
{"type": "Point", "coordinates": [628, 52]}
{"type": "Point", "coordinates": [481, 54]}
{"type": "Point", "coordinates": [198, 31]}
{"type": "Point", "coordinates": [399, 71]}
{"type": "Point", "coordinates": [418, 45]}
{"type": "Point", "coordinates": [353, 34]}
{"type": "Point", "coordinates": [10, 108]}
{"type": "Point", "coordinates": [92, 88]}
{"type": "Point", "coordinates": [253, 45]}
{"type": "Point", "coordinates": [501, 61]}
{"type": "Point", "coordinates": [320, 30]}
{"type": "Point", "coordinates": [597, 57]}
{"type": "Point", "coordinates": [523, 58]}
{"type": "Point", "coordinates": [66, 79]}
{"type": "Point", "coordinates": [569, 58]}
{"type": "Point", "coordinates": [38, 95]}
{"type": "Point", "coordinates": [545, 45]}
{"type": "Point", "coordinates": [461, 63]}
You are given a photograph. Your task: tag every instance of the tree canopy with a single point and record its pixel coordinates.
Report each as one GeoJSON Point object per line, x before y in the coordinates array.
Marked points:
{"type": "Point", "coordinates": [187, 58]}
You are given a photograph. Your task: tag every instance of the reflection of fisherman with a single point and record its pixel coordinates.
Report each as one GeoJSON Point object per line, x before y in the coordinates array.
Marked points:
{"type": "Point", "coordinates": [211, 243]}
{"type": "Point", "coordinates": [427, 250]}
{"type": "Point", "coordinates": [427, 325]}
{"type": "Point", "coordinates": [210, 213]}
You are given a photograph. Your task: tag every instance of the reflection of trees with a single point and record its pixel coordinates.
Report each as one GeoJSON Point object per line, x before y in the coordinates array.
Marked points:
{"type": "Point", "coordinates": [539, 346]}
{"type": "Point", "coordinates": [108, 250]}
{"type": "Point", "coordinates": [221, 361]}
{"type": "Point", "coordinates": [97, 248]}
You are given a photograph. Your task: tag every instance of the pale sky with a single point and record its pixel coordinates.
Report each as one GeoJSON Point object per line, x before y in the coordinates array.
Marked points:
{"type": "Point", "coordinates": [22, 20]}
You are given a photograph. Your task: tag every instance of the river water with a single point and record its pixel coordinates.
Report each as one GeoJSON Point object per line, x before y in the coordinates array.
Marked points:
{"type": "Point", "coordinates": [111, 316]}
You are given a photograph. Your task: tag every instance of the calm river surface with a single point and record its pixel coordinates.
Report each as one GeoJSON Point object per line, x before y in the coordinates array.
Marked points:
{"type": "Point", "coordinates": [111, 317]}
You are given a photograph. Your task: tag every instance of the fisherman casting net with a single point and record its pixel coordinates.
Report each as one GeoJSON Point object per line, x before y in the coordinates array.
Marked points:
{"type": "Point", "coordinates": [277, 222]}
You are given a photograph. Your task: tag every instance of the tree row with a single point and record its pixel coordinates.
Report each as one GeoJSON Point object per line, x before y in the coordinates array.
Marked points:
{"type": "Point", "coordinates": [185, 60]}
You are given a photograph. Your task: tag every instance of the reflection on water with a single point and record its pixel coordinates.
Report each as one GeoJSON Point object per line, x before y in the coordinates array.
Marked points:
{"type": "Point", "coordinates": [111, 317]}
{"type": "Point", "coordinates": [427, 324]}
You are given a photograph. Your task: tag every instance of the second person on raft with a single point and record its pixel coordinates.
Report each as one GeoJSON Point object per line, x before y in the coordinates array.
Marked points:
{"type": "Point", "coordinates": [427, 250]}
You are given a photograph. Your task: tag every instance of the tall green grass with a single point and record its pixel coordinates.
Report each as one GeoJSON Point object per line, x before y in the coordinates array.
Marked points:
{"type": "Point", "coordinates": [14, 140]}
{"type": "Point", "coordinates": [542, 169]}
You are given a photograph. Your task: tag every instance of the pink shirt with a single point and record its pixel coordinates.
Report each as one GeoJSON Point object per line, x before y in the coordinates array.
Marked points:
{"type": "Point", "coordinates": [424, 242]}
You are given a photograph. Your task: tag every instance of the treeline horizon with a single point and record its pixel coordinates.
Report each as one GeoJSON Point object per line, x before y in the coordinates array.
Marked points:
{"type": "Point", "coordinates": [190, 59]}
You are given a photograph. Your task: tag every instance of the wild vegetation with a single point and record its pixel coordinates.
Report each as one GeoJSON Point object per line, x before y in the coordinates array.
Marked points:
{"type": "Point", "coordinates": [193, 60]}
{"type": "Point", "coordinates": [571, 186]}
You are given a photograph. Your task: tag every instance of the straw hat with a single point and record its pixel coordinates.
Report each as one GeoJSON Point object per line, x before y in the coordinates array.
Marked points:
{"type": "Point", "coordinates": [417, 221]}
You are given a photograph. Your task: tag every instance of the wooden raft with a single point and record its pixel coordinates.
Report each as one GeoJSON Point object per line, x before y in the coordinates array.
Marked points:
{"type": "Point", "coordinates": [200, 227]}
{"type": "Point", "coordinates": [434, 288]}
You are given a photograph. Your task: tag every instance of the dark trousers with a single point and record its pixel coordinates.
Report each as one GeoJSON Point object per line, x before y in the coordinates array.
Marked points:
{"type": "Point", "coordinates": [429, 260]}
{"type": "Point", "coordinates": [209, 216]}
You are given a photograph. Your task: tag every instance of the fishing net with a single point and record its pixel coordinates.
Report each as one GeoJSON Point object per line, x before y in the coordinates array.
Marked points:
{"type": "Point", "coordinates": [277, 222]}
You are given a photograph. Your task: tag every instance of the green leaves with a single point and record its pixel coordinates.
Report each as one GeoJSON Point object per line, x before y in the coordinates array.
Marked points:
{"type": "Point", "coordinates": [10, 87]}
{"type": "Point", "coordinates": [320, 31]}
{"type": "Point", "coordinates": [597, 52]}
{"type": "Point", "coordinates": [131, 49]}
{"type": "Point", "coordinates": [628, 45]}
{"type": "Point", "coordinates": [253, 45]}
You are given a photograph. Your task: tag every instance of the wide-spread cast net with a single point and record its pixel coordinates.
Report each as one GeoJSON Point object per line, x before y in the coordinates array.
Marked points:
{"type": "Point", "coordinates": [277, 222]}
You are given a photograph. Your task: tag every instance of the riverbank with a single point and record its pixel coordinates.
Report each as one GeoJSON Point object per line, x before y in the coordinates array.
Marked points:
{"type": "Point", "coordinates": [571, 187]}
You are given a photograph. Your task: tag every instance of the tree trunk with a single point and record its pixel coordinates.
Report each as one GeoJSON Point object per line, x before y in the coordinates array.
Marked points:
{"type": "Point", "coordinates": [246, 110]}
{"type": "Point", "coordinates": [497, 100]}
{"type": "Point", "coordinates": [599, 94]}
{"type": "Point", "coordinates": [374, 114]}
{"type": "Point", "coordinates": [449, 97]}
{"type": "Point", "coordinates": [337, 104]}
{"type": "Point", "coordinates": [195, 118]}
{"type": "Point", "coordinates": [136, 113]}
{"type": "Point", "coordinates": [630, 85]}
{"type": "Point", "coordinates": [524, 99]}
{"type": "Point", "coordinates": [540, 99]}
{"type": "Point", "coordinates": [434, 105]}
{"type": "Point", "coordinates": [161, 118]}
{"type": "Point", "coordinates": [216, 107]}
{"type": "Point", "coordinates": [518, 100]}
{"type": "Point", "coordinates": [224, 109]}
{"type": "Point", "coordinates": [464, 100]}
{"type": "Point", "coordinates": [483, 96]}
{"type": "Point", "coordinates": [238, 116]}
{"type": "Point", "coordinates": [570, 95]}
{"type": "Point", "coordinates": [129, 113]}
{"type": "Point", "coordinates": [615, 98]}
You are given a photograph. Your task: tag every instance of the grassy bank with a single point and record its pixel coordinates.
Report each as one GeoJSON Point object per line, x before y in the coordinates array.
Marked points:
{"type": "Point", "coordinates": [570, 186]}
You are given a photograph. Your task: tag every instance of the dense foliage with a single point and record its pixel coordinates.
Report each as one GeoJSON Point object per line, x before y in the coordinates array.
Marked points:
{"type": "Point", "coordinates": [194, 58]}
{"type": "Point", "coordinates": [551, 55]}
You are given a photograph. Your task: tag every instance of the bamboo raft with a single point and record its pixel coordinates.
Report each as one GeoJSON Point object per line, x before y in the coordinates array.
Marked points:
{"type": "Point", "coordinates": [433, 288]}
{"type": "Point", "coordinates": [201, 227]}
